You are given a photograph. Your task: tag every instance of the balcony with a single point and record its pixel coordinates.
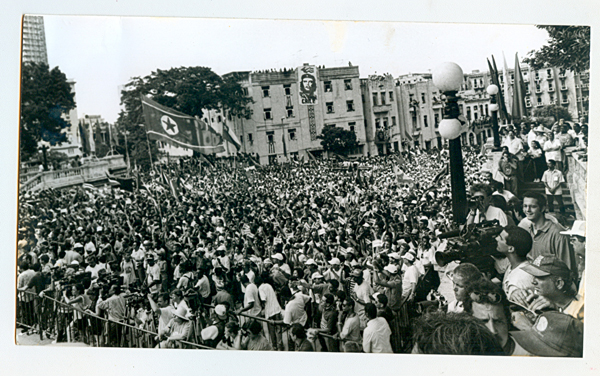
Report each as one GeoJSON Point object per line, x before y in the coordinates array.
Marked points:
{"type": "Point", "coordinates": [539, 104]}
{"type": "Point", "coordinates": [564, 88]}
{"type": "Point", "coordinates": [527, 104]}
{"type": "Point", "coordinates": [562, 75]}
{"type": "Point", "coordinates": [538, 90]}
{"type": "Point", "coordinates": [382, 137]}
{"type": "Point", "coordinates": [551, 89]}
{"type": "Point", "coordinates": [564, 101]}
{"type": "Point", "coordinates": [585, 86]}
{"type": "Point", "coordinates": [550, 77]}
{"type": "Point", "coordinates": [383, 108]}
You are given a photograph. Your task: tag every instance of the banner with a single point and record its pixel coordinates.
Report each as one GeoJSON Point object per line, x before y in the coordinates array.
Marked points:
{"type": "Point", "coordinates": [307, 84]}
{"type": "Point", "coordinates": [170, 126]}
{"type": "Point", "coordinates": [230, 137]}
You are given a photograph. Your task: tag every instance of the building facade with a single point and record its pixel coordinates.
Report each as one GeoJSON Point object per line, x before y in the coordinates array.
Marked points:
{"type": "Point", "coordinates": [34, 40]}
{"type": "Point", "coordinates": [548, 86]}
{"type": "Point", "coordinates": [278, 117]}
{"type": "Point", "coordinates": [381, 114]}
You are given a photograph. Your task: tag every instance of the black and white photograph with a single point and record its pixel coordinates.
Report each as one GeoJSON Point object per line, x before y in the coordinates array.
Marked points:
{"type": "Point", "coordinates": [219, 185]}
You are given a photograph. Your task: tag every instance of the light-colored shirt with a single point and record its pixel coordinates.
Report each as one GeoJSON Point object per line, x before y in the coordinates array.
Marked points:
{"type": "Point", "coordinates": [294, 310]}
{"type": "Point", "coordinates": [267, 294]}
{"type": "Point", "coordinates": [554, 179]}
{"type": "Point", "coordinates": [552, 150]}
{"type": "Point", "coordinates": [251, 297]}
{"type": "Point", "coordinates": [376, 337]}
{"type": "Point", "coordinates": [516, 279]}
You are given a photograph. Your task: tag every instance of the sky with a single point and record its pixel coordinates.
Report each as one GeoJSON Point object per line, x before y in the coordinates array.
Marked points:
{"type": "Point", "coordinates": [103, 53]}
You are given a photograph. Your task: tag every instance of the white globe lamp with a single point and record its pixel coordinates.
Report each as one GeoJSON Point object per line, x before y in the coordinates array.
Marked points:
{"type": "Point", "coordinates": [494, 107]}
{"type": "Point", "coordinates": [492, 89]}
{"type": "Point", "coordinates": [450, 128]}
{"type": "Point", "coordinates": [448, 77]}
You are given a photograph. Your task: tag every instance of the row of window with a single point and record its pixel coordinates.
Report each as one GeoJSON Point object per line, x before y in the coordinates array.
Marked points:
{"type": "Point", "coordinates": [379, 98]}
{"type": "Point", "coordinates": [327, 87]}
{"type": "Point", "coordinates": [289, 110]}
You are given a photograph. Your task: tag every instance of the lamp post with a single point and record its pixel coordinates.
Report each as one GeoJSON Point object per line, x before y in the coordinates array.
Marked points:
{"type": "Point", "coordinates": [492, 90]}
{"type": "Point", "coordinates": [448, 77]}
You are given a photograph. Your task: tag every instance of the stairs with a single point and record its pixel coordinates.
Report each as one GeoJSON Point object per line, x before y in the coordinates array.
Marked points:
{"type": "Point", "coordinates": [570, 214]}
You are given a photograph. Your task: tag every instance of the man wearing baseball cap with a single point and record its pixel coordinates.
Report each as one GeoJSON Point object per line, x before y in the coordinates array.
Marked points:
{"type": "Point", "coordinates": [411, 277]}
{"type": "Point", "coordinates": [553, 334]}
{"type": "Point", "coordinates": [553, 283]}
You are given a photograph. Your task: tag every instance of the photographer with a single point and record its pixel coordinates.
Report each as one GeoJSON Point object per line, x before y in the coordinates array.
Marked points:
{"type": "Point", "coordinates": [115, 308]}
{"type": "Point", "coordinates": [480, 208]}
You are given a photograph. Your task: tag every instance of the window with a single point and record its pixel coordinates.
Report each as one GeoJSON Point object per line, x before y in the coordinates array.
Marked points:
{"type": "Point", "coordinates": [328, 88]}
{"type": "Point", "coordinates": [393, 121]}
{"type": "Point", "coordinates": [212, 119]}
{"type": "Point", "coordinates": [374, 99]}
{"type": "Point", "coordinates": [487, 113]}
{"type": "Point", "coordinates": [352, 125]}
{"type": "Point", "coordinates": [270, 137]}
{"type": "Point", "coordinates": [348, 84]}
{"type": "Point", "coordinates": [468, 113]}
{"type": "Point", "coordinates": [329, 106]}
{"type": "Point", "coordinates": [229, 116]}
{"type": "Point", "coordinates": [292, 134]}
{"type": "Point", "coordinates": [385, 123]}
{"type": "Point", "coordinates": [391, 96]}
{"type": "Point", "coordinates": [287, 89]}
{"type": "Point", "coordinates": [383, 98]}
{"type": "Point", "coordinates": [219, 119]}
{"type": "Point", "coordinates": [481, 82]}
{"type": "Point", "coordinates": [350, 105]}
{"type": "Point", "coordinates": [539, 101]}
{"type": "Point", "coordinates": [265, 90]}
{"type": "Point", "coordinates": [250, 139]}
{"type": "Point", "coordinates": [245, 91]}
{"type": "Point", "coordinates": [423, 98]}
{"type": "Point", "coordinates": [425, 122]}
{"type": "Point", "coordinates": [436, 119]}
{"type": "Point", "coordinates": [267, 114]}
{"type": "Point", "coordinates": [289, 112]}
{"type": "Point", "coordinates": [549, 73]}
{"type": "Point", "coordinates": [377, 125]}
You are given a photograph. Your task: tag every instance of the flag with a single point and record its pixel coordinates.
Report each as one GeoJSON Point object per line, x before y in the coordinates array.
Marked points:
{"type": "Point", "coordinates": [496, 81]}
{"type": "Point", "coordinates": [88, 186]}
{"type": "Point", "coordinates": [230, 137]}
{"type": "Point", "coordinates": [112, 181]}
{"type": "Point", "coordinates": [92, 143]}
{"type": "Point", "coordinates": [283, 141]}
{"type": "Point", "coordinates": [507, 85]}
{"type": "Point", "coordinates": [85, 146]}
{"type": "Point", "coordinates": [518, 105]}
{"type": "Point", "coordinates": [173, 127]}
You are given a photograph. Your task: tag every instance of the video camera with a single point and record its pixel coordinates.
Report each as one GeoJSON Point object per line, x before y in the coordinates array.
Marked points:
{"type": "Point", "coordinates": [475, 244]}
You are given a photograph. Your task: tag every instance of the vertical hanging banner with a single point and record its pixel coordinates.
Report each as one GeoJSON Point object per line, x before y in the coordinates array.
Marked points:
{"type": "Point", "coordinates": [307, 84]}
{"type": "Point", "coordinates": [312, 124]}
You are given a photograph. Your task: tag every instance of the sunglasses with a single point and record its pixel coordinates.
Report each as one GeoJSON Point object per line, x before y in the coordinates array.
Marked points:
{"type": "Point", "coordinates": [490, 297]}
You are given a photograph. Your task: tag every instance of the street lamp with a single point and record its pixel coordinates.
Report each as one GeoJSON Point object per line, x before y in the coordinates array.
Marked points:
{"type": "Point", "coordinates": [448, 77]}
{"type": "Point", "coordinates": [492, 90]}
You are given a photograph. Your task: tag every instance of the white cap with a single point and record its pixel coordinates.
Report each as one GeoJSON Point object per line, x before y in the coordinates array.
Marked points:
{"type": "Point", "coordinates": [310, 262]}
{"type": "Point", "coordinates": [316, 275]}
{"type": "Point", "coordinates": [334, 261]}
{"type": "Point", "coordinates": [391, 268]}
{"type": "Point", "coordinates": [578, 229]}
{"type": "Point", "coordinates": [220, 309]}
{"type": "Point", "coordinates": [394, 255]}
{"type": "Point", "coordinates": [278, 256]}
{"type": "Point", "coordinates": [409, 256]}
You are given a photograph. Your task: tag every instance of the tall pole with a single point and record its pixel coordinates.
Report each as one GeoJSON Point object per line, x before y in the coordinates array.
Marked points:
{"type": "Point", "coordinates": [127, 154]}
{"type": "Point", "coordinates": [457, 173]}
{"type": "Point", "coordinates": [493, 91]}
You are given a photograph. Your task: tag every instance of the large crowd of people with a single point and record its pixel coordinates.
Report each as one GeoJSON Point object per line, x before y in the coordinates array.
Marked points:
{"type": "Point", "coordinates": [311, 256]}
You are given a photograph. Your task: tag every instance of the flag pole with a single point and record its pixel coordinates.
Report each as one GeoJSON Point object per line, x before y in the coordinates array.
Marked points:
{"type": "Point", "coordinates": [149, 151]}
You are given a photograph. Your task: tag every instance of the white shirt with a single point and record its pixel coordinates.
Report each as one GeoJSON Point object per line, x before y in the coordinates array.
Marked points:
{"type": "Point", "coordinates": [267, 294]}
{"type": "Point", "coordinates": [376, 337]}
{"type": "Point", "coordinates": [553, 154]}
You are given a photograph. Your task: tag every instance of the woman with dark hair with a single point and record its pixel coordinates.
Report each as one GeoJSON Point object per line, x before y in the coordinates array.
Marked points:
{"type": "Point", "coordinates": [537, 166]}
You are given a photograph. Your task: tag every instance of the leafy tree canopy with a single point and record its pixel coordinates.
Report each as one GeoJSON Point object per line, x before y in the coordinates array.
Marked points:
{"type": "Point", "coordinates": [568, 49]}
{"type": "Point", "coordinates": [554, 112]}
{"type": "Point", "coordinates": [337, 140]}
{"type": "Point", "coordinates": [45, 97]}
{"type": "Point", "coordinates": [189, 90]}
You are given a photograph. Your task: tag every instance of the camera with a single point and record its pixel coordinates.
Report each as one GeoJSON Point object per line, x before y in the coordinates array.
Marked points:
{"type": "Point", "coordinates": [475, 244]}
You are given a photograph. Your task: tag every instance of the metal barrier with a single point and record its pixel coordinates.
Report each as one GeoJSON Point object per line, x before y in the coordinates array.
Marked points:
{"type": "Point", "coordinates": [52, 318]}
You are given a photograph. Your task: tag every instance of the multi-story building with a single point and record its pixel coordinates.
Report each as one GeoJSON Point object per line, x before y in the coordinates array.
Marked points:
{"type": "Point", "coordinates": [420, 109]}
{"type": "Point", "coordinates": [381, 114]}
{"type": "Point", "coordinates": [34, 40]}
{"type": "Point", "coordinates": [548, 86]}
{"type": "Point", "coordinates": [71, 147]}
{"type": "Point", "coordinates": [278, 116]}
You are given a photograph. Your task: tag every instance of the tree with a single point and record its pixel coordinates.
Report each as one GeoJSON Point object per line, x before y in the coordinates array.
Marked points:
{"type": "Point", "coordinates": [337, 140]}
{"type": "Point", "coordinates": [550, 114]}
{"type": "Point", "coordinates": [45, 97]}
{"type": "Point", "coordinates": [567, 49]}
{"type": "Point", "coordinates": [189, 90]}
